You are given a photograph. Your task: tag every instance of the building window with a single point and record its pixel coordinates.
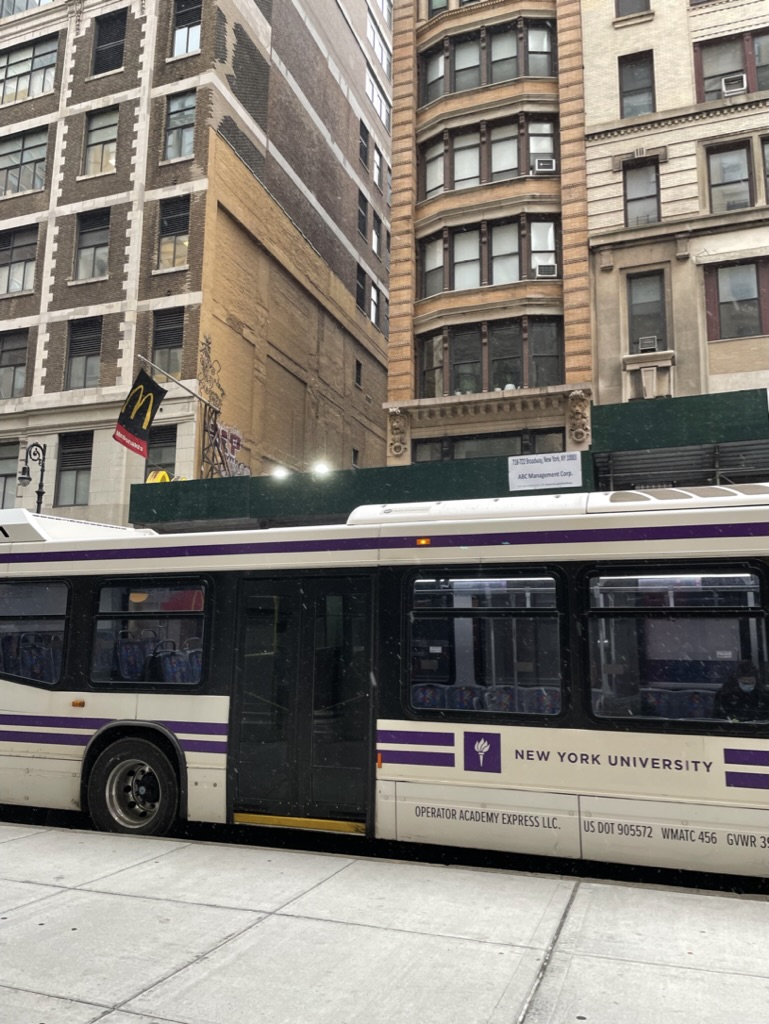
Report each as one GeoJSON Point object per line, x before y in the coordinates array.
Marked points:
{"type": "Point", "coordinates": [355, 458]}
{"type": "Point", "coordinates": [360, 289]}
{"type": "Point", "coordinates": [362, 215]}
{"type": "Point", "coordinates": [378, 98]}
{"type": "Point", "coordinates": [729, 174]}
{"type": "Point", "coordinates": [539, 51]}
{"type": "Point", "coordinates": [437, 7]}
{"type": "Point", "coordinates": [490, 152]}
{"type": "Point", "coordinates": [174, 233]}
{"type": "Point", "coordinates": [642, 194]}
{"type": "Point", "coordinates": [28, 70]}
{"type": "Point", "coordinates": [625, 7]}
{"type": "Point", "coordinates": [376, 233]}
{"type": "Point", "coordinates": [467, 64]}
{"type": "Point", "coordinates": [187, 18]}
{"type": "Point", "coordinates": [358, 373]}
{"type": "Point", "coordinates": [465, 258]}
{"type": "Point", "coordinates": [647, 321]}
{"type": "Point", "coordinates": [504, 254]}
{"type": "Point", "coordinates": [84, 359]}
{"type": "Point", "coordinates": [10, 7]}
{"type": "Point", "coordinates": [168, 339]}
{"type": "Point", "coordinates": [765, 149]}
{"type": "Point", "coordinates": [504, 55]}
{"type": "Point", "coordinates": [501, 355]}
{"type": "Point", "coordinates": [432, 265]}
{"type": "Point", "coordinates": [374, 305]}
{"type": "Point", "coordinates": [434, 73]}
{"type": "Point", "coordinates": [73, 475]}
{"type": "Point", "coordinates": [729, 67]}
{"type": "Point", "coordinates": [9, 467]}
{"type": "Point", "coordinates": [543, 260]}
{"type": "Point", "coordinates": [378, 168]}
{"type": "Point", "coordinates": [17, 260]}
{"type": "Point", "coordinates": [378, 45]}
{"type": "Point", "coordinates": [180, 126]}
{"type": "Point", "coordinates": [636, 84]}
{"type": "Point", "coordinates": [22, 162]}
{"type": "Point", "coordinates": [92, 245]}
{"type": "Point", "coordinates": [109, 42]}
{"type": "Point", "coordinates": [363, 145]}
{"type": "Point", "coordinates": [161, 448]}
{"type": "Point", "coordinates": [737, 300]}
{"type": "Point", "coordinates": [466, 150]}
{"type": "Point", "coordinates": [488, 446]}
{"type": "Point", "coordinates": [101, 141]}
{"type": "Point", "coordinates": [13, 364]}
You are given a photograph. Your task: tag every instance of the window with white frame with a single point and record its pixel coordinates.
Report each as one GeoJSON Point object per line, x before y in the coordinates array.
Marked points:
{"type": "Point", "coordinates": [9, 467]}
{"type": "Point", "coordinates": [92, 256]}
{"type": "Point", "coordinates": [22, 161]}
{"type": "Point", "coordinates": [376, 233]}
{"type": "Point", "coordinates": [84, 355]}
{"type": "Point", "coordinates": [379, 46]}
{"type": "Point", "coordinates": [28, 71]}
{"type": "Point", "coordinates": [18, 250]}
{"type": "Point", "coordinates": [73, 473]}
{"type": "Point", "coordinates": [187, 20]}
{"type": "Point", "coordinates": [730, 177]}
{"type": "Point", "coordinates": [647, 319]}
{"type": "Point", "coordinates": [173, 250]}
{"type": "Point", "coordinates": [101, 141]}
{"type": "Point", "coordinates": [642, 193]}
{"type": "Point", "coordinates": [13, 363]}
{"type": "Point", "coordinates": [180, 125]}
{"type": "Point", "coordinates": [377, 98]}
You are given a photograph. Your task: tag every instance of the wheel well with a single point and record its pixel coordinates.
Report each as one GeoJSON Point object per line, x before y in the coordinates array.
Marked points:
{"type": "Point", "coordinates": [129, 730]}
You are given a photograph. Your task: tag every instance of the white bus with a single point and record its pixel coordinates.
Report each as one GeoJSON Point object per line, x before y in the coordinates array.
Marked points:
{"type": "Point", "coordinates": [580, 675]}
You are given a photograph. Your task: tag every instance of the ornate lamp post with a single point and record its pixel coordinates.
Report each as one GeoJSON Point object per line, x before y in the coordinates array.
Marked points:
{"type": "Point", "coordinates": [35, 452]}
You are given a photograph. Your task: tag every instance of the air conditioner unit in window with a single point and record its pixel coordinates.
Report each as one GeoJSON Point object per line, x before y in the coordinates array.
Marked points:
{"type": "Point", "coordinates": [546, 270]}
{"type": "Point", "coordinates": [733, 85]}
{"type": "Point", "coordinates": [648, 344]}
{"type": "Point", "coordinates": [545, 165]}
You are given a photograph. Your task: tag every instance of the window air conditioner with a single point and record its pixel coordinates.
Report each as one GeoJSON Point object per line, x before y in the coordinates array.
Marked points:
{"type": "Point", "coordinates": [545, 165]}
{"type": "Point", "coordinates": [733, 85]}
{"type": "Point", "coordinates": [546, 270]}
{"type": "Point", "coordinates": [648, 344]}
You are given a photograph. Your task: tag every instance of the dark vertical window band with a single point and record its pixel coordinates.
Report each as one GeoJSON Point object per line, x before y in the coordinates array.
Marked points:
{"type": "Point", "coordinates": [168, 339]}
{"type": "Point", "coordinates": [73, 474]}
{"type": "Point", "coordinates": [109, 42]}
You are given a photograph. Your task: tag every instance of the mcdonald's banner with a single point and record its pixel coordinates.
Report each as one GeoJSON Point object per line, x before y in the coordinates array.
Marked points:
{"type": "Point", "coordinates": [138, 412]}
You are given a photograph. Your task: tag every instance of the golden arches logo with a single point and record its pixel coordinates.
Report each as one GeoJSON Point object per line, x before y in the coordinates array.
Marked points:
{"type": "Point", "coordinates": [142, 397]}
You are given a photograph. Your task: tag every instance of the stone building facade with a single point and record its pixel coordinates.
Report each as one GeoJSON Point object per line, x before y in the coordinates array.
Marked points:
{"type": "Point", "coordinates": [677, 144]}
{"type": "Point", "coordinates": [205, 184]}
{"type": "Point", "coordinates": [490, 329]}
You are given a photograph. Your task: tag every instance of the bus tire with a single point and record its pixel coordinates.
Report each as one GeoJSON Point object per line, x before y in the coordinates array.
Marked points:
{"type": "Point", "coordinates": [133, 788]}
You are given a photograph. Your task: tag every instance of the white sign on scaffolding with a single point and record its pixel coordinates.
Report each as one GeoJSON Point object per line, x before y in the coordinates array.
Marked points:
{"type": "Point", "coordinates": [556, 471]}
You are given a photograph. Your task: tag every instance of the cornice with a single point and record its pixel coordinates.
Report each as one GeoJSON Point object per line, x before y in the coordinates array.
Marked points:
{"type": "Point", "coordinates": [688, 115]}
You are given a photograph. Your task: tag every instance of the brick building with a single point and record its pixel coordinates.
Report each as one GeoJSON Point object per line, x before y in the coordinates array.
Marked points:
{"type": "Point", "coordinates": [203, 183]}
{"type": "Point", "coordinates": [490, 331]}
{"type": "Point", "coordinates": [677, 144]}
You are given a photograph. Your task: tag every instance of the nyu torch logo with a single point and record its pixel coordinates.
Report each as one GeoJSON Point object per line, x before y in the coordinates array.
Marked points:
{"type": "Point", "coordinates": [482, 752]}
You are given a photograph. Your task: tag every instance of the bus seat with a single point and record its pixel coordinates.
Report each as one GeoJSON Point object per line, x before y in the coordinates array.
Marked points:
{"type": "Point", "coordinates": [57, 650]}
{"type": "Point", "coordinates": [656, 703]}
{"type": "Point", "coordinates": [130, 657]}
{"type": "Point", "coordinates": [501, 698]}
{"type": "Point", "coordinates": [541, 700]}
{"type": "Point", "coordinates": [9, 646]}
{"type": "Point", "coordinates": [463, 697]}
{"type": "Point", "coordinates": [194, 651]}
{"type": "Point", "coordinates": [428, 695]}
{"type": "Point", "coordinates": [693, 704]}
{"type": "Point", "coordinates": [169, 665]}
{"type": "Point", "coordinates": [36, 658]}
{"type": "Point", "coordinates": [104, 658]}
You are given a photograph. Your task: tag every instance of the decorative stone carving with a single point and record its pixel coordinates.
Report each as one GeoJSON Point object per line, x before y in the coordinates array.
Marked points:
{"type": "Point", "coordinates": [579, 417]}
{"type": "Point", "coordinates": [398, 430]}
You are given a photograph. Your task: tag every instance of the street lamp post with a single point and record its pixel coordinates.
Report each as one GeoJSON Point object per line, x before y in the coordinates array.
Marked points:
{"type": "Point", "coordinates": [35, 452]}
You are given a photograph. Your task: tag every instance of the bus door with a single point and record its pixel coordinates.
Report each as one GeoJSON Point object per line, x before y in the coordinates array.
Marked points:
{"type": "Point", "coordinates": [304, 700]}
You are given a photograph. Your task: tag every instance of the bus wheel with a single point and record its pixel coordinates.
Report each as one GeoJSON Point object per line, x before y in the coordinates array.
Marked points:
{"type": "Point", "coordinates": [133, 788]}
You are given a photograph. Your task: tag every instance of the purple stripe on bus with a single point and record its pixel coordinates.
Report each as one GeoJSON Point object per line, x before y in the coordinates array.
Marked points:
{"type": "Point", "coordinates": [747, 780]}
{"type": "Point", "coordinates": [416, 757]}
{"type": "Point", "coordinates": [203, 746]}
{"type": "Point", "coordinates": [57, 722]}
{"type": "Point", "coordinates": [352, 544]}
{"type": "Point", "coordinates": [426, 739]}
{"type": "Point", "coordinates": [61, 738]}
{"type": "Point", "coordinates": [755, 757]}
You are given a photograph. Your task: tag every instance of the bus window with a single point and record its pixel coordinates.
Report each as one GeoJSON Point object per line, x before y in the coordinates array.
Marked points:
{"type": "Point", "coordinates": [32, 618]}
{"type": "Point", "coordinates": [670, 646]}
{"type": "Point", "coordinates": [485, 645]}
{"type": "Point", "coordinates": [145, 633]}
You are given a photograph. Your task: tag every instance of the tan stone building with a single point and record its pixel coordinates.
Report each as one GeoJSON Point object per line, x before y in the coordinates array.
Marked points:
{"type": "Point", "coordinates": [203, 183]}
{"type": "Point", "coordinates": [677, 143]}
{"type": "Point", "coordinates": [490, 331]}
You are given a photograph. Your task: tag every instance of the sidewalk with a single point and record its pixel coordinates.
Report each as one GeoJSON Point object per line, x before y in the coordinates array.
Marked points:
{"type": "Point", "coordinates": [128, 930]}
